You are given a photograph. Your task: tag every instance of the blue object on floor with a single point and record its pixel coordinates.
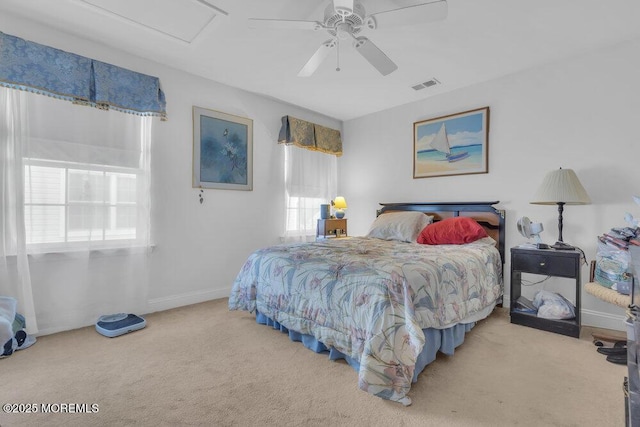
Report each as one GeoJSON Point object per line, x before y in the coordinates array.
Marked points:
{"type": "Point", "coordinates": [113, 325]}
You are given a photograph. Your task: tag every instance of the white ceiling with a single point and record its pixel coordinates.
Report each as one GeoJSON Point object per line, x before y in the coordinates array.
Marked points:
{"type": "Point", "coordinates": [480, 40]}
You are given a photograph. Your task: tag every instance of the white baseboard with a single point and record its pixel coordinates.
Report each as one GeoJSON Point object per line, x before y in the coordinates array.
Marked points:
{"type": "Point", "coordinates": [56, 329]}
{"type": "Point", "coordinates": [174, 301]}
{"type": "Point", "coordinates": [598, 319]}
{"type": "Point", "coordinates": [156, 304]}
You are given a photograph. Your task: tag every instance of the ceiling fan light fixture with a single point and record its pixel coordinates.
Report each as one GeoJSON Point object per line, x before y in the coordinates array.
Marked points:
{"type": "Point", "coordinates": [344, 31]}
{"type": "Point", "coordinates": [345, 19]}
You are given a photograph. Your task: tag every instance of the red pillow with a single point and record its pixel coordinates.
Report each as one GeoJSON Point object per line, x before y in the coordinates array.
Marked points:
{"type": "Point", "coordinates": [452, 231]}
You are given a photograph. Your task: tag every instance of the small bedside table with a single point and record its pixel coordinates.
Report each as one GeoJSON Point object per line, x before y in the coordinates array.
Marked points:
{"type": "Point", "coordinates": [331, 228]}
{"type": "Point", "coordinates": [547, 262]}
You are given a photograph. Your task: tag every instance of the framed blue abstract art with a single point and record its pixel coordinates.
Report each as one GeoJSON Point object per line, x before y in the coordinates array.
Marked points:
{"type": "Point", "coordinates": [222, 150]}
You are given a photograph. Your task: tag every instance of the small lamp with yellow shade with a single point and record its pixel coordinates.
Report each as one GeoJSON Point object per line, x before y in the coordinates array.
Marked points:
{"type": "Point", "coordinates": [339, 204]}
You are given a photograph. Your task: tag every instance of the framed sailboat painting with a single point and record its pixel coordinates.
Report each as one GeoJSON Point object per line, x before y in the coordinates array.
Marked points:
{"type": "Point", "coordinates": [456, 144]}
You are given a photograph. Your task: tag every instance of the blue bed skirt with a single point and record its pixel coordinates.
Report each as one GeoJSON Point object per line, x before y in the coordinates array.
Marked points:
{"type": "Point", "coordinates": [443, 340]}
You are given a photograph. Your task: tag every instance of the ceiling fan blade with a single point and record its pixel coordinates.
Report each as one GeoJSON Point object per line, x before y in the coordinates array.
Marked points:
{"type": "Point", "coordinates": [416, 14]}
{"type": "Point", "coordinates": [375, 56]}
{"type": "Point", "coordinates": [284, 24]}
{"type": "Point", "coordinates": [343, 7]}
{"type": "Point", "coordinates": [312, 64]}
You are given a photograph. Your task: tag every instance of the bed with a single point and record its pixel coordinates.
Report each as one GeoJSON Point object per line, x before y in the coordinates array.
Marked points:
{"type": "Point", "coordinates": [383, 302]}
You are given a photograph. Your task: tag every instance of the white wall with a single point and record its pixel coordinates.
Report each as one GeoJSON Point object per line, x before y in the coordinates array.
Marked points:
{"type": "Point", "coordinates": [199, 247]}
{"type": "Point", "coordinates": [580, 113]}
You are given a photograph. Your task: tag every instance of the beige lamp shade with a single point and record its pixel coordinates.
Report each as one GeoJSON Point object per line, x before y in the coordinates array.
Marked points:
{"type": "Point", "coordinates": [340, 203]}
{"type": "Point", "coordinates": [561, 186]}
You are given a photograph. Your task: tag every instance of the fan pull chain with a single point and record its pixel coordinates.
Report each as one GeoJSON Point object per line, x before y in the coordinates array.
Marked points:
{"type": "Point", "coordinates": [338, 54]}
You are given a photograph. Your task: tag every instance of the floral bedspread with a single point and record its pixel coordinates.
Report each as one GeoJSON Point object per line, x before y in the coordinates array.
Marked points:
{"type": "Point", "coordinates": [371, 298]}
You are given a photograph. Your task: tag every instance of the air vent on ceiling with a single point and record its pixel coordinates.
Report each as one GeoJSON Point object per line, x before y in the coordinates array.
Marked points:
{"type": "Point", "coordinates": [424, 85]}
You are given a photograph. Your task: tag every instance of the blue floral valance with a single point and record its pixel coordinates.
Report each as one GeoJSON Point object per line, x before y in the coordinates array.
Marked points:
{"type": "Point", "coordinates": [41, 69]}
{"type": "Point", "coordinates": [309, 135]}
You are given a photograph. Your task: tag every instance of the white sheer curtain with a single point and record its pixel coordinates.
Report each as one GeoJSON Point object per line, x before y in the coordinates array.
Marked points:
{"type": "Point", "coordinates": [311, 179]}
{"type": "Point", "coordinates": [81, 190]}
{"type": "Point", "coordinates": [15, 279]}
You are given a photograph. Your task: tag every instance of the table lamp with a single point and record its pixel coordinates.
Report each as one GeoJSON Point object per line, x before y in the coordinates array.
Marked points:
{"type": "Point", "coordinates": [561, 187]}
{"type": "Point", "coordinates": [339, 204]}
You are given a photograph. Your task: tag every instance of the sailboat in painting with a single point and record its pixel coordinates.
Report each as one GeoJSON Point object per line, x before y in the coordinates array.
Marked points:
{"type": "Point", "coordinates": [441, 143]}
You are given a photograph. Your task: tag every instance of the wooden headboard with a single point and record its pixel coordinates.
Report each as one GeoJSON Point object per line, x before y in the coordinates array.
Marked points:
{"type": "Point", "coordinates": [490, 218]}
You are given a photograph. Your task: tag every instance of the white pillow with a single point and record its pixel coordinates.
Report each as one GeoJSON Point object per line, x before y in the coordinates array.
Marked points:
{"type": "Point", "coordinates": [402, 226]}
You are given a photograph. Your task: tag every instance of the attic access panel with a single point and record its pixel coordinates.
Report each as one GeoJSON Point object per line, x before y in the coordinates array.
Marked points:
{"type": "Point", "coordinates": [183, 20]}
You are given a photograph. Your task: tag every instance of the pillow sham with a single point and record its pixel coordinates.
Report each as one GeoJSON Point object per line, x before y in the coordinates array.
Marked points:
{"type": "Point", "coordinates": [401, 226]}
{"type": "Point", "coordinates": [452, 231]}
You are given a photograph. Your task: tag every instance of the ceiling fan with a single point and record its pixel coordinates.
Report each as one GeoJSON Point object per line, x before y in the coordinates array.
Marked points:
{"type": "Point", "coordinates": [345, 19]}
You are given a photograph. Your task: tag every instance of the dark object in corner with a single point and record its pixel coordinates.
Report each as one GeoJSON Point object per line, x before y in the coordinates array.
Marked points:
{"type": "Point", "coordinates": [612, 350]}
{"type": "Point", "coordinates": [619, 359]}
{"type": "Point", "coordinates": [562, 246]}
{"type": "Point", "coordinates": [525, 305]}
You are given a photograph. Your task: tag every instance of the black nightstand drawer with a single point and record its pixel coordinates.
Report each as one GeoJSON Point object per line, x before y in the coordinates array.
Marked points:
{"type": "Point", "coordinates": [542, 264]}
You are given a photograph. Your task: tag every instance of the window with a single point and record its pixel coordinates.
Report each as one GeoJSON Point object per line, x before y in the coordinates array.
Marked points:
{"type": "Point", "coordinates": [86, 177]}
{"type": "Point", "coordinates": [67, 203]}
{"type": "Point", "coordinates": [310, 180]}
{"type": "Point", "coordinates": [303, 214]}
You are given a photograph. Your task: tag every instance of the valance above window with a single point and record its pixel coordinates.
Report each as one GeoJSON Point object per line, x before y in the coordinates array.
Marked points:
{"type": "Point", "coordinates": [48, 71]}
{"type": "Point", "coordinates": [310, 136]}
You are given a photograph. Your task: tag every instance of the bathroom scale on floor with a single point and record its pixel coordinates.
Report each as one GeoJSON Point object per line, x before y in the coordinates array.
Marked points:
{"type": "Point", "coordinates": [113, 325]}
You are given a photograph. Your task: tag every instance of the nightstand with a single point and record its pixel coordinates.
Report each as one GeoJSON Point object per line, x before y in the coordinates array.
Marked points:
{"type": "Point", "coordinates": [331, 228]}
{"type": "Point", "coordinates": [546, 262]}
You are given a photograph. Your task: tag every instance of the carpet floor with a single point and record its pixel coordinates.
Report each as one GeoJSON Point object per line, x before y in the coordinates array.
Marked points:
{"type": "Point", "coordinates": [203, 365]}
